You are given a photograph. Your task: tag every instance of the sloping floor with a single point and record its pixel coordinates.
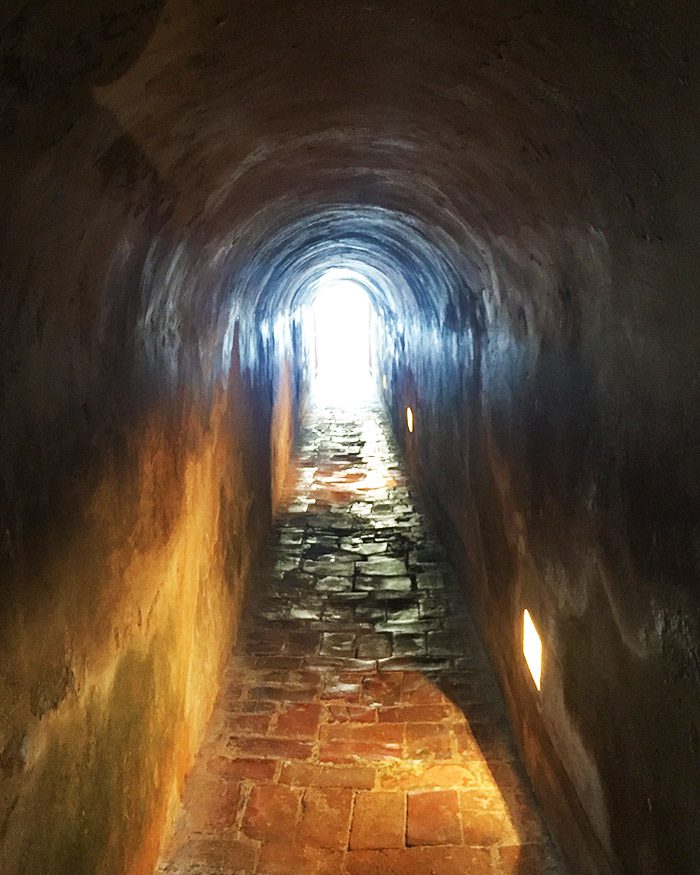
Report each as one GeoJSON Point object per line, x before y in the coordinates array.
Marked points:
{"type": "Point", "coordinates": [359, 730]}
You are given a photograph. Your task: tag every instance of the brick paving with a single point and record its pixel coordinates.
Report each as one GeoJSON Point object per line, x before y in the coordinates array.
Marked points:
{"type": "Point", "coordinates": [359, 729]}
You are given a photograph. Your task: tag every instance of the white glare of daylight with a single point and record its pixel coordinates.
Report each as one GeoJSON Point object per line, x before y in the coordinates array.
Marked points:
{"type": "Point", "coordinates": [532, 648]}
{"type": "Point", "coordinates": [339, 320]}
{"type": "Point", "coordinates": [409, 419]}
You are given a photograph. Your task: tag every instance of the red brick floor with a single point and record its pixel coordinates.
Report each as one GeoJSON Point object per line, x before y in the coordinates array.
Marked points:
{"type": "Point", "coordinates": [359, 729]}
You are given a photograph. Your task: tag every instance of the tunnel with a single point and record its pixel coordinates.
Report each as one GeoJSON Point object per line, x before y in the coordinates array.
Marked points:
{"type": "Point", "coordinates": [514, 187]}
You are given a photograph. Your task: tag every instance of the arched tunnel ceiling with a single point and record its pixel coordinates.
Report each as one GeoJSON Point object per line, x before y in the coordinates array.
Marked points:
{"type": "Point", "coordinates": [427, 141]}
{"type": "Point", "coordinates": [516, 184]}
{"type": "Point", "coordinates": [402, 262]}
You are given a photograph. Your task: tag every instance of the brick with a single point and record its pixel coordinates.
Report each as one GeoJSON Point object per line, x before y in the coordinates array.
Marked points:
{"type": "Point", "coordinates": [299, 721]}
{"type": "Point", "coordinates": [309, 680]}
{"type": "Point", "coordinates": [330, 565]}
{"type": "Point", "coordinates": [374, 646]}
{"type": "Point", "coordinates": [418, 690]}
{"type": "Point", "coordinates": [382, 566]}
{"type": "Point", "coordinates": [452, 775]}
{"type": "Point", "coordinates": [409, 645]}
{"type": "Point", "coordinates": [230, 699]}
{"type": "Point", "coordinates": [486, 828]}
{"type": "Point", "coordinates": [428, 740]}
{"type": "Point", "coordinates": [282, 859]}
{"type": "Point", "coordinates": [280, 694]}
{"type": "Point", "coordinates": [388, 734]}
{"type": "Point", "coordinates": [334, 584]}
{"type": "Point", "coordinates": [341, 712]}
{"type": "Point", "coordinates": [249, 707]}
{"type": "Point", "coordinates": [243, 769]}
{"type": "Point", "coordinates": [338, 644]}
{"type": "Point", "coordinates": [403, 615]}
{"type": "Point", "coordinates": [382, 690]}
{"type": "Point", "coordinates": [310, 775]}
{"type": "Point", "coordinates": [335, 618]}
{"type": "Point", "coordinates": [267, 643]}
{"type": "Point", "coordinates": [256, 724]}
{"type": "Point", "coordinates": [271, 812]}
{"type": "Point", "coordinates": [378, 820]}
{"type": "Point", "coordinates": [343, 742]}
{"type": "Point", "coordinates": [373, 614]}
{"type": "Point", "coordinates": [433, 607]}
{"type": "Point", "coordinates": [420, 861]}
{"type": "Point", "coordinates": [277, 611]}
{"type": "Point", "coordinates": [466, 745]}
{"type": "Point", "coordinates": [279, 662]}
{"type": "Point", "coordinates": [355, 751]}
{"type": "Point", "coordinates": [211, 804]}
{"type": "Point", "coordinates": [279, 748]}
{"type": "Point", "coordinates": [433, 818]}
{"type": "Point", "coordinates": [302, 643]}
{"type": "Point", "coordinates": [325, 818]}
{"type": "Point", "coordinates": [424, 664]}
{"type": "Point", "coordinates": [337, 688]}
{"type": "Point", "coordinates": [214, 855]}
{"type": "Point", "coordinates": [381, 585]}
{"type": "Point", "coordinates": [342, 664]}
{"type": "Point", "coordinates": [414, 714]}
{"type": "Point", "coordinates": [348, 598]}
{"type": "Point", "coordinates": [486, 819]}
{"type": "Point", "coordinates": [305, 613]}
{"type": "Point", "coordinates": [373, 548]}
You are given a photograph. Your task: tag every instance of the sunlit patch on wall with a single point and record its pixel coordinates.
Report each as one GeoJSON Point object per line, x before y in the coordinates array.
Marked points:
{"type": "Point", "coordinates": [532, 648]}
{"type": "Point", "coordinates": [384, 383]}
{"type": "Point", "coordinates": [409, 419]}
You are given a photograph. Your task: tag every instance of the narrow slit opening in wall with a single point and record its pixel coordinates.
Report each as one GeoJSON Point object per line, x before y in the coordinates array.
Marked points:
{"type": "Point", "coordinates": [339, 329]}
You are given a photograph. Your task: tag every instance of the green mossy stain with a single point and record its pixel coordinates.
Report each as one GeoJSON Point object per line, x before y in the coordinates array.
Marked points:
{"type": "Point", "coordinates": [106, 788]}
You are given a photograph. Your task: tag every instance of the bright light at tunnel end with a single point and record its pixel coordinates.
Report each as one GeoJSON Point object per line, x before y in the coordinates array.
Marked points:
{"type": "Point", "coordinates": [339, 319]}
{"type": "Point", "coordinates": [532, 649]}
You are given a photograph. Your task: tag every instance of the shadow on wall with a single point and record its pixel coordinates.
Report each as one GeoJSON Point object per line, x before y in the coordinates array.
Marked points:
{"type": "Point", "coordinates": [549, 501]}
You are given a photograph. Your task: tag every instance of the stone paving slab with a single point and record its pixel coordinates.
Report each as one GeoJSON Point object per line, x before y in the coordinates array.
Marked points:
{"type": "Point", "coordinates": [359, 727]}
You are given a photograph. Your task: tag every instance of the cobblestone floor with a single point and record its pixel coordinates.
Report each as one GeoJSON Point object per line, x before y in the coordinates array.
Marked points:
{"type": "Point", "coordinates": [359, 729]}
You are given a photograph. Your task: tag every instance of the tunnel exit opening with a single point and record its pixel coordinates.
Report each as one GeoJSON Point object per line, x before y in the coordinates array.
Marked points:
{"type": "Point", "coordinates": [339, 327]}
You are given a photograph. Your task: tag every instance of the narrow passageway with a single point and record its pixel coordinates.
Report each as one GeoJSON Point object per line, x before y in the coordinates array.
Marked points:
{"type": "Point", "coordinates": [359, 729]}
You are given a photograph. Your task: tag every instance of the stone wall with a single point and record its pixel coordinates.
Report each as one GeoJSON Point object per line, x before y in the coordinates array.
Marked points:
{"type": "Point", "coordinates": [516, 185]}
{"type": "Point", "coordinates": [135, 472]}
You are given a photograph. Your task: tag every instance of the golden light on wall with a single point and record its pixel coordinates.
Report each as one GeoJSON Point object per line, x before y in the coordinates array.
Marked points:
{"type": "Point", "coordinates": [532, 648]}
{"type": "Point", "coordinates": [384, 381]}
{"type": "Point", "coordinates": [409, 419]}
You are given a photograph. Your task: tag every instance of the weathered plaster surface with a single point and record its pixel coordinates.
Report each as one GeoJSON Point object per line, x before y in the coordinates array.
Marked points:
{"type": "Point", "coordinates": [517, 185]}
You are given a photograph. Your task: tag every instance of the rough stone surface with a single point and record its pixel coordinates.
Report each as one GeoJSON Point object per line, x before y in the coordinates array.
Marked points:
{"type": "Point", "coordinates": [399, 770]}
{"type": "Point", "coordinates": [516, 183]}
